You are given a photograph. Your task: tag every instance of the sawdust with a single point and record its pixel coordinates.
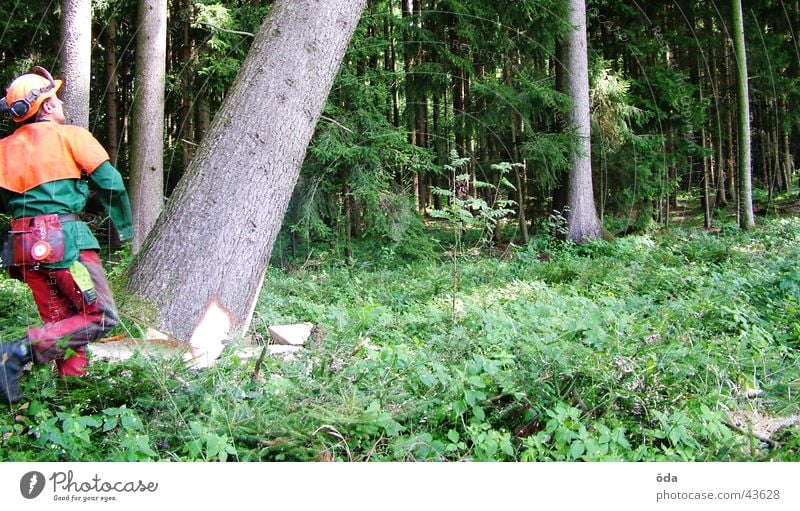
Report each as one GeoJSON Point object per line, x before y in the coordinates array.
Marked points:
{"type": "Point", "coordinates": [761, 425]}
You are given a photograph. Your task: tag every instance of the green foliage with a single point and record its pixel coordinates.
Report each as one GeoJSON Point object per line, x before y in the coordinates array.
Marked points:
{"type": "Point", "coordinates": [643, 348]}
{"type": "Point", "coordinates": [464, 211]}
{"type": "Point", "coordinates": [637, 349]}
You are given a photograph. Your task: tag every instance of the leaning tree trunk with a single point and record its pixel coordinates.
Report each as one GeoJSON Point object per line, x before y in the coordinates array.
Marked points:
{"type": "Point", "coordinates": [582, 217]}
{"type": "Point", "coordinates": [147, 130]}
{"type": "Point", "coordinates": [203, 265]}
{"type": "Point", "coordinates": [746, 218]}
{"type": "Point", "coordinates": [76, 59]}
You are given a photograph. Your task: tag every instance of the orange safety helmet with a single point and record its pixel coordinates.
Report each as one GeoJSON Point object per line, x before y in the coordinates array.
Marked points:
{"type": "Point", "coordinates": [27, 93]}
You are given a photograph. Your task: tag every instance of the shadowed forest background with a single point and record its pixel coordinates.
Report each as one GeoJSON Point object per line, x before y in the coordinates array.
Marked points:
{"type": "Point", "coordinates": [429, 238]}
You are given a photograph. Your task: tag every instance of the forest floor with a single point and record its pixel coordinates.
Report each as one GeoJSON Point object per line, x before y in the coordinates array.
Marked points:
{"type": "Point", "coordinates": [674, 344]}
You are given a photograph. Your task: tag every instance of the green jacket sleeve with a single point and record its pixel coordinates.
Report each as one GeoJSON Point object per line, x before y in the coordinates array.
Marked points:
{"type": "Point", "coordinates": [111, 191]}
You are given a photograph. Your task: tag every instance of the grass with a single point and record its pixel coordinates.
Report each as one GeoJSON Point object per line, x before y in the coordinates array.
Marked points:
{"type": "Point", "coordinates": [680, 344]}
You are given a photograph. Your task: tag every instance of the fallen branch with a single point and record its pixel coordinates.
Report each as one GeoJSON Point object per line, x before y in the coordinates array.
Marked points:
{"type": "Point", "coordinates": [772, 443]}
{"type": "Point", "coordinates": [257, 371]}
{"type": "Point", "coordinates": [226, 30]}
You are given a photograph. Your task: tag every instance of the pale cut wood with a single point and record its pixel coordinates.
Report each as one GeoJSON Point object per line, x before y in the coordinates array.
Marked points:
{"type": "Point", "coordinates": [121, 349]}
{"type": "Point", "coordinates": [293, 335]}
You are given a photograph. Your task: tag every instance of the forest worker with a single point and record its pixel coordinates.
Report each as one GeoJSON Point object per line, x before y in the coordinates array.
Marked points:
{"type": "Point", "coordinates": [46, 168]}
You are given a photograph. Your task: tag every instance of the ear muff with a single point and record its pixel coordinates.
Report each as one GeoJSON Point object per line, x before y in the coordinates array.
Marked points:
{"type": "Point", "coordinates": [20, 109]}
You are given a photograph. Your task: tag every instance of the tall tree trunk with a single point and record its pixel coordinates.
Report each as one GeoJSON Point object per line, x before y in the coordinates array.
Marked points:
{"type": "Point", "coordinates": [776, 149]}
{"type": "Point", "coordinates": [204, 264]}
{"type": "Point", "coordinates": [421, 116]}
{"type": "Point", "coordinates": [112, 105]}
{"type": "Point", "coordinates": [706, 198]}
{"type": "Point", "coordinates": [707, 177]}
{"type": "Point", "coordinates": [775, 157]}
{"type": "Point", "coordinates": [76, 59]}
{"type": "Point", "coordinates": [392, 68]}
{"type": "Point", "coordinates": [347, 216]}
{"type": "Point", "coordinates": [746, 217]}
{"type": "Point", "coordinates": [788, 164]}
{"type": "Point", "coordinates": [582, 218]}
{"type": "Point", "coordinates": [388, 64]}
{"type": "Point", "coordinates": [186, 131]}
{"type": "Point", "coordinates": [439, 145]}
{"type": "Point", "coordinates": [459, 79]}
{"type": "Point", "coordinates": [519, 173]}
{"type": "Point", "coordinates": [124, 84]}
{"type": "Point", "coordinates": [719, 157]}
{"type": "Point", "coordinates": [561, 190]}
{"type": "Point", "coordinates": [147, 151]}
{"type": "Point", "coordinates": [760, 156]}
{"type": "Point", "coordinates": [203, 118]}
{"type": "Point", "coordinates": [733, 180]}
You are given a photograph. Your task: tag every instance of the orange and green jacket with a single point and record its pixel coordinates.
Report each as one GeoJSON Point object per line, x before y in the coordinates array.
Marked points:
{"type": "Point", "coordinates": [47, 168]}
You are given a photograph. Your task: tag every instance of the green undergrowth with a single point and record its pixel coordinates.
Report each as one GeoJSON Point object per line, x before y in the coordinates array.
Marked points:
{"type": "Point", "coordinates": [678, 345]}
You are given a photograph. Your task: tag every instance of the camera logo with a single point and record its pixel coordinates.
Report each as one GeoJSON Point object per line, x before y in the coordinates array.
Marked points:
{"type": "Point", "coordinates": [31, 484]}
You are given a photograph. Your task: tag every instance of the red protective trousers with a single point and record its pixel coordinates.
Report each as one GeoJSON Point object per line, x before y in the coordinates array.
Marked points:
{"type": "Point", "coordinates": [69, 322]}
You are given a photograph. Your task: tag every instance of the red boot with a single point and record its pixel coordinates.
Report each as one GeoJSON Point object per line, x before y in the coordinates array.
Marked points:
{"type": "Point", "coordinates": [74, 365]}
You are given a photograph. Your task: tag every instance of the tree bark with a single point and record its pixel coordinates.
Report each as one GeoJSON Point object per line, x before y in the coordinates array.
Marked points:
{"type": "Point", "coordinates": [112, 105]}
{"type": "Point", "coordinates": [746, 217]}
{"type": "Point", "coordinates": [719, 156]}
{"type": "Point", "coordinates": [459, 79]}
{"type": "Point", "coordinates": [582, 217]}
{"type": "Point", "coordinates": [392, 67]}
{"type": "Point", "coordinates": [516, 127]}
{"type": "Point", "coordinates": [203, 118]}
{"type": "Point", "coordinates": [188, 59]}
{"type": "Point", "coordinates": [788, 164]}
{"type": "Point", "coordinates": [732, 183]}
{"type": "Point", "coordinates": [204, 264]}
{"type": "Point", "coordinates": [76, 59]}
{"type": "Point", "coordinates": [147, 132]}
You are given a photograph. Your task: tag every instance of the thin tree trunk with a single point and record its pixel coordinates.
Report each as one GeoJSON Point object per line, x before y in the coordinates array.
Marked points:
{"type": "Point", "coordinates": [776, 149]}
{"type": "Point", "coordinates": [561, 190]}
{"type": "Point", "coordinates": [707, 171]}
{"type": "Point", "coordinates": [111, 102]}
{"type": "Point", "coordinates": [706, 178]}
{"type": "Point", "coordinates": [582, 219]}
{"type": "Point", "coordinates": [203, 118]}
{"type": "Point", "coordinates": [395, 89]}
{"type": "Point", "coordinates": [76, 59]}
{"type": "Point", "coordinates": [733, 186]}
{"type": "Point", "coordinates": [707, 197]}
{"type": "Point", "coordinates": [204, 264]}
{"type": "Point", "coordinates": [147, 160]}
{"type": "Point", "coordinates": [458, 111]}
{"type": "Point", "coordinates": [388, 67]}
{"type": "Point", "coordinates": [746, 219]}
{"type": "Point", "coordinates": [788, 164]}
{"type": "Point", "coordinates": [421, 116]}
{"type": "Point", "coordinates": [124, 79]}
{"type": "Point", "coordinates": [719, 157]}
{"type": "Point", "coordinates": [186, 130]}
{"type": "Point", "coordinates": [519, 178]}
{"type": "Point", "coordinates": [347, 217]}
{"type": "Point", "coordinates": [440, 151]}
